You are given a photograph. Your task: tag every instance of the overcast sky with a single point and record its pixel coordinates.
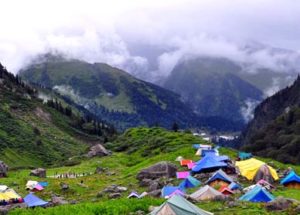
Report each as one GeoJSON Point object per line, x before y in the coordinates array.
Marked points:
{"type": "Point", "coordinates": [149, 35]}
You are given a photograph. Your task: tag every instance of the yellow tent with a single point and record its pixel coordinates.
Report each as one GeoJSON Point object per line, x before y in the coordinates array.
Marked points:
{"type": "Point", "coordinates": [9, 194]}
{"type": "Point", "coordinates": [248, 168]}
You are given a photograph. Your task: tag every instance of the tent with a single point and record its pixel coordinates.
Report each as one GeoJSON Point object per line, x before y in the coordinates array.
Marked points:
{"type": "Point", "coordinates": [208, 163]}
{"type": "Point", "coordinates": [32, 201]}
{"type": "Point", "coordinates": [217, 157]}
{"type": "Point", "coordinates": [244, 155]}
{"type": "Point", "coordinates": [196, 146]}
{"type": "Point", "coordinates": [185, 162]}
{"type": "Point", "coordinates": [133, 195]}
{"type": "Point", "coordinates": [219, 178]}
{"type": "Point", "coordinates": [234, 186]}
{"type": "Point", "coordinates": [168, 191]}
{"type": "Point", "coordinates": [182, 175]}
{"type": "Point", "coordinates": [205, 151]}
{"type": "Point", "coordinates": [292, 180]}
{"type": "Point", "coordinates": [254, 169]}
{"type": "Point", "coordinates": [43, 183]}
{"type": "Point", "coordinates": [226, 191]}
{"type": "Point", "coordinates": [9, 194]}
{"type": "Point", "coordinates": [177, 205]}
{"type": "Point", "coordinates": [179, 158]}
{"type": "Point", "coordinates": [189, 182]}
{"type": "Point", "coordinates": [205, 193]}
{"type": "Point", "coordinates": [257, 194]}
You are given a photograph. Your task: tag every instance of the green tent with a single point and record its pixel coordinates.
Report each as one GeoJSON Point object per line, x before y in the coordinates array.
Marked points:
{"type": "Point", "coordinates": [178, 205]}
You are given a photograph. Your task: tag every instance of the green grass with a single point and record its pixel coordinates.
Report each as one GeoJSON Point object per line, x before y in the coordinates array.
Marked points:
{"type": "Point", "coordinates": [126, 165]}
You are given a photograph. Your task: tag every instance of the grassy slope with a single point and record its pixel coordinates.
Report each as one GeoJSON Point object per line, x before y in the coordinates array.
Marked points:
{"type": "Point", "coordinates": [126, 165]}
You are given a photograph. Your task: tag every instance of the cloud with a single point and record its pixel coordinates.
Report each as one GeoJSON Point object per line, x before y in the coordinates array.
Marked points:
{"type": "Point", "coordinates": [108, 31]}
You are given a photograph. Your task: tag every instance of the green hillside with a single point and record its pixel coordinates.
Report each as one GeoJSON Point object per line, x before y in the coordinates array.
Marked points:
{"type": "Point", "coordinates": [126, 165]}
{"type": "Point", "coordinates": [33, 133]}
{"type": "Point", "coordinates": [110, 93]}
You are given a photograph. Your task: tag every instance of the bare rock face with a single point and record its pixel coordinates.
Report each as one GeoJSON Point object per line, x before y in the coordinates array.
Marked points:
{"type": "Point", "coordinates": [3, 169]}
{"type": "Point", "coordinates": [39, 172]}
{"type": "Point", "coordinates": [280, 203]}
{"type": "Point", "coordinates": [56, 200]}
{"type": "Point", "coordinates": [159, 170]}
{"type": "Point", "coordinates": [97, 150]}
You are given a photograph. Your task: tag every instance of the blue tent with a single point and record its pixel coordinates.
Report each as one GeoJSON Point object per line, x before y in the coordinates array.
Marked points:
{"type": "Point", "coordinates": [291, 177]}
{"type": "Point", "coordinates": [208, 163]}
{"type": "Point", "coordinates": [206, 151]}
{"type": "Point", "coordinates": [244, 155]}
{"type": "Point", "coordinates": [257, 194]}
{"type": "Point", "coordinates": [216, 157]}
{"type": "Point", "coordinates": [220, 175]}
{"type": "Point", "coordinates": [43, 183]}
{"type": "Point", "coordinates": [234, 186]}
{"type": "Point", "coordinates": [189, 182]}
{"type": "Point", "coordinates": [169, 190]}
{"type": "Point", "coordinates": [32, 201]}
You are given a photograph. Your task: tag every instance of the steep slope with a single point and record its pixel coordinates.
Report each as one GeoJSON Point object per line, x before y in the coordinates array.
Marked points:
{"type": "Point", "coordinates": [110, 93]}
{"type": "Point", "coordinates": [33, 133]}
{"type": "Point", "coordinates": [213, 88]}
{"type": "Point", "coordinates": [275, 130]}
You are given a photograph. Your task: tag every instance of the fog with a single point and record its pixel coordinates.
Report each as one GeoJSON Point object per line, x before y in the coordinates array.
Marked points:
{"type": "Point", "coordinates": [148, 38]}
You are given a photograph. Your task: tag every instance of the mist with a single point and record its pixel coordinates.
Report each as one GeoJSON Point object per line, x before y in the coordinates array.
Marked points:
{"type": "Point", "coordinates": [148, 39]}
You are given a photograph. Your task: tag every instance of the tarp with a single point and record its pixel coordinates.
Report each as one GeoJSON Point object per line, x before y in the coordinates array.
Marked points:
{"type": "Point", "coordinates": [257, 194]}
{"type": "Point", "coordinates": [205, 193]}
{"type": "Point", "coordinates": [249, 168]}
{"type": "Point", "coordinates": [31, 185]}
{"type": "Point", "coordinates": [133, 195]}
{"type": "Point", "coordinates": [205, 151]}
{"type": "Point", "coordinates": [196, 146]}
{"type": "Point", "coordinates": [265, 184]}
{"type": "Point", "coordinates": [168, 191]}
{"type": "Point", "coordinates": [32, 201]}
{"type": "Point", "coordinates": [43, 183]}
{"type": "Point", "coordinates": [290, 178]}
{"type": "Point", "coordinates": [177, 205]}
{"type": "Point", "coordinates": [220, 175]}
{"type": "Point", "coordinates": [189, 182]}
{"type": "Point", "coordinates": [185, 162]}
{"type": "Point", "coordinates": [208, 163]}
{"type": "Point", "coordinates": [182, 175]}
{"type": "Point", "coordinates": [244, 155]}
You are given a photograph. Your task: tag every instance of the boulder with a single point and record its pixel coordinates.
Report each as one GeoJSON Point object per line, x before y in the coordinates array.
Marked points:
{"type": "Point", "coordinates": [155, 193]}
{"type": "Point", "coordinates": [154, 185]}
{"type": "Point", "coordinates": [64, 186]}
{"type": "Point", "coordinates": [159, 170]}
{"type": "Point", "coordinates": [279, 203]}
{"type": "Point", "coordinates": [3, 169]}
{"type": "Point", "coordinates": [56, 200]}
{"type": "Point", "coordinates": [39, 172]}
{"type": "Point", "coordinates": [3, 211]}
{"type": "Point", "coordinates": [99, 170]}
{"type": "Point", "coordinates": [97, 150]}
{"type": "Point", "coordinates": [114, 195]}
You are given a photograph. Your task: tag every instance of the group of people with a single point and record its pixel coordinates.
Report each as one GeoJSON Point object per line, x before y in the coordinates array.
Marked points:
{"type": "Point", "coordinates": [11, 201]}
{"type": "Point", "coordinates": [71, 175]}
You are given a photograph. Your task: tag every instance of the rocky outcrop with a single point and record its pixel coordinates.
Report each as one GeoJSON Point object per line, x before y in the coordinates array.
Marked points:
{"type": "Point", "coordinates": [97, 150]}
{"type": "Point", "coordinates": [280, 203]}
{"type": "Point", "coordinates": [39, 172]}
{"type": "Point", "coordinates": [159, 170]}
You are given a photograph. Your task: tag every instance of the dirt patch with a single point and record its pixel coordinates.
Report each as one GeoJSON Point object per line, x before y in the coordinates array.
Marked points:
{"type": "Point", "coordinates": [39, 112]}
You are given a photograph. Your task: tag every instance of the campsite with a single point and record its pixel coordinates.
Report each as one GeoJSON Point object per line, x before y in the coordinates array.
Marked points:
{"type": "Point", "coordinates": [110, 190]}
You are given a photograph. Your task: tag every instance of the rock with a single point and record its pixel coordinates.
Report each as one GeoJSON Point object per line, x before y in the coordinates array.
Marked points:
{"type": "Point", "coordinates": [120, 189]}
{"type": "Point", "coordinates": [232, 204]}
{"type": "Point", "coordinates": [39, 172]}
{"type": "Point", "coordinates": [73, 202]}
{"type": "Point", "coordinates": [279, 203]}
{"type": "Point", "coordinates": [154, 185]}
{"type": "Point", "coordinates": [64, 186]}
{"type": "Point", "coordinates": [56, 200]}
{"type": "Point", "coordinates": [100, 194]}
{"type": "Point", "coordinates": [159, 170]}
{"type": "Point", "coordinates": [155, 193]}
{"type": "Point", "coordinates": [99, 170]}
{"type": "Point", "coordinates": [3, 169]}
{"type": "Point", "coordinates": [145, 182]}
{"type": "Point", "coordinates": [115, 189]}
{"type": "Point", "coordinates": [152, 208]}
{"type": "Point", "coordinates": [3, 211]}
{"type": "Point", "coordinates": [139, 212]}
{"type": "Point", "coordinates": [114, 195]}
{"type": "Point", "coordinates": [97, 150]}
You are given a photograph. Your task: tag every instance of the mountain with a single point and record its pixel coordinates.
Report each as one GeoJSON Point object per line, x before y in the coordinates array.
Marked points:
{"type": "Point", "coordinates": [110, 93]}
{"type": "Point", "coordinates": [34, 133]}
{"type": "Point", "coordinates": [275, 130]}
{"type": "Point", "coordinates": [213, 87]}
